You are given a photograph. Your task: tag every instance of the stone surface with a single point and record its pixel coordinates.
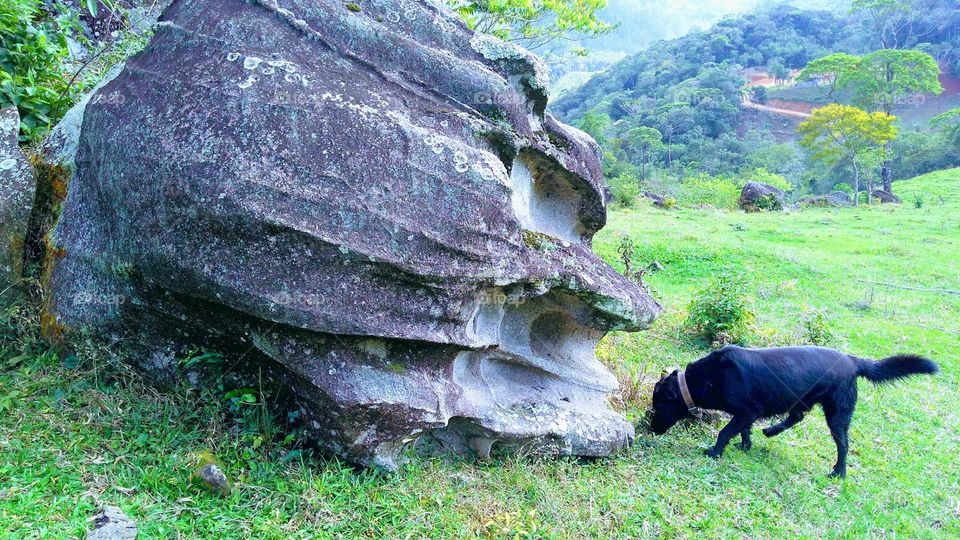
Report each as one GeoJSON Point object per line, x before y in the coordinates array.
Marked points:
{"type": "Point", "coordinates": [372, 207]}
{"type": "Point", "coordinates": [885, 197]}
{"type": "Point", "coordinates": [760, 196]}
{"type": "Point", "coordinates": [112, 524]}
{"type": "Point", "coordinates": [836, 199]}
{"type": "Point", "coordinates": [18, 185]}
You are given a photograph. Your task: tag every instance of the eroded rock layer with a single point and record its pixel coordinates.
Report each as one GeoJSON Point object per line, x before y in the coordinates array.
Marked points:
{"type": "Point", "coordinates": [369, 200]}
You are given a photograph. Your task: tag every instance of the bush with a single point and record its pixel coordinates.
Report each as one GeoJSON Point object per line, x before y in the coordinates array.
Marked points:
{"type": "Point", "coordinates": [816, 331]}
{"type": "Point", "coordinates": [771, 179]}
{"type": "Point", "coordinates": [718, 191]}
{"type": "Point", "coordinates": [844, 187]}
{"type": "Point", "coordinates": [721, 313]}
{"type": "Point", "coordinates": [625, 190]}
{"type": "Point", "coordinates": [32, 73]}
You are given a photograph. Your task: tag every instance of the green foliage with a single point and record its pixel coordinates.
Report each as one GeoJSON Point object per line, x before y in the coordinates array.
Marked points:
{"type": "Point", "coordinates": [840, 132]}
{"type": "Point", "coordinates": [778, 181]}
{"type": "Point", "coordinates": [721, 312]}
{"type": "Point", "coordinates": [33, 51]}
{"type": "Point", "coordinates": [918, 201]}
{"type": "Point", "coordinates": [626, 190]}
{"type": "Point", "coordinates": [534, 23]}
{"type": "Point", "coordinates": [844, 187]}
{"type": "Point", "coordinates": [704, 189]}
{"type": "Point", "coordinates": [816, 329]}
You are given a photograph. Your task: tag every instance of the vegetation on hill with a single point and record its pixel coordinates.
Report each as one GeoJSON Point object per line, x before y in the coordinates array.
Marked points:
{"type": "Point", "coordinates": [691, 90]}
{"type": "Point", "coordinates": [83, 431]}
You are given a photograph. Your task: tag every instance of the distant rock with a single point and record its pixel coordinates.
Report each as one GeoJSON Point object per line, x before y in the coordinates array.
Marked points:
{"type": "Point", "coordinates": [112, 524]}
{"type": "Point", "coordinates": [372, 207]}
{"type": "Point", "coordinates": [836, 199]}
{"type": "Point", "coordinates": [659, 201]}
{"type": "Point", "coordinates": [756, 196]}
{"type": "Point", "coordinates": [18, 185]}
{"type": "Point", "coordinates": [885, 197]}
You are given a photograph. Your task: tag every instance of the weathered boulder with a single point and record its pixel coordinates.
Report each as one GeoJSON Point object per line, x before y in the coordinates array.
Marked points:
{"type": "Point", "coordinates": [885, 197]}
{"type": "Point", "coordinates": [18, 185]}
{"type": "Point", "coordinates": [371, 206]}
{"type": "Point", "coordinates": [756, 196]}
{"type": "Point", "coordinates": [836, 199]}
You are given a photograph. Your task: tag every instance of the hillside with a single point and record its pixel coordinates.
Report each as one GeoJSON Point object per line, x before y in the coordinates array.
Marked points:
{"type": "Point", "coordinates": [80, 433]}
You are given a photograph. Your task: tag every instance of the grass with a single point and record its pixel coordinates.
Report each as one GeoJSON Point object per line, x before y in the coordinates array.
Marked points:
{"type": "Point", "coordinates": [75, 434]}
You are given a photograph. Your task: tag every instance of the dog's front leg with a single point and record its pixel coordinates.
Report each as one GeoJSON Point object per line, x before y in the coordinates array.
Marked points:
{"type": "Point", "coordinates": [736, 425]}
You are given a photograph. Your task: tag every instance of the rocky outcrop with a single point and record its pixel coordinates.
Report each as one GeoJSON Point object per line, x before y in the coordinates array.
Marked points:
{"type": "Point", "coordinates": [18, 186]}
{"type": "Point", "coordinates": [370, 205]}
{"type": "Point", "coordinates": [885, 197]}
{"type": "Point", "coordinates": [756, 196]}
{"type": "Point", "coordinates": [835, 199]}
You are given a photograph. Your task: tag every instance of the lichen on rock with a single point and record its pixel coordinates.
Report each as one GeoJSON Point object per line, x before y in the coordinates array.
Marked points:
{"type": "Point", "coordinates": [377, 212]}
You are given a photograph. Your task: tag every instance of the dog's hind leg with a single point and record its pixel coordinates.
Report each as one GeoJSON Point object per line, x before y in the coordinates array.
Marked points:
{"type": "Point", "coordinates": [794, 418]}
{"type": "Point", "coordinates": [838, 411]}
{"type": "Point", "coordinates": [745, 443]}
{"type": "Point", "coordinates": [736, 425]}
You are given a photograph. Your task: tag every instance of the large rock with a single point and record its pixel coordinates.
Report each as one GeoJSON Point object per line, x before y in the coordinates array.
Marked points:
{"type": "Point", "coordinates": [757, 196]}
{"type": "Point", "coordinates": [369, 205]}
{"type": "Point", "coordinates": [18, 185]}
{"type": "Point", "coordinates": [885, 197]}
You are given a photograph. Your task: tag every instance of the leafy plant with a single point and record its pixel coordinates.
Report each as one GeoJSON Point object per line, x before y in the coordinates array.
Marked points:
{"type": "Point", "coordinates": [33, 78]}
{"type": "Point", "coordinates": [625, 190]}
{"type": "Point", "coordinates": [816, 331]}
{"type": "Point", "coordinates": [721, 312]}
{"type": "Point", "coordinates": [534, 23]}
{"type": "Point", "coordinates": [918, 201]}
{"type": "Point", "coordinates": [703, 189]}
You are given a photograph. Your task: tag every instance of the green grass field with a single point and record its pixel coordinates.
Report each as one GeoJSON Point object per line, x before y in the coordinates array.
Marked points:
{"type": "Point", "coordinates": [74, 435]}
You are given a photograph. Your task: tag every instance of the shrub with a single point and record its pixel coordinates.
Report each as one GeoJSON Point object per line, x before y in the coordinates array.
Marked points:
{"type": "Point", "coordinates": [771, 179]}
{"type": "Point", "coordinates": [625, 190]}
{"type": "Point", "coordinates": [918, 201]}
{"type": "Point", "coordinates": [32, 74]}
{"type": "Point", "coordinates": [844, 187]}
{"type": "Point", "coordinates": [721, 312]}
{"type": "Point", "coordinates": [816, 331]}
{"type": "Point", "coordinates": [718, 191]}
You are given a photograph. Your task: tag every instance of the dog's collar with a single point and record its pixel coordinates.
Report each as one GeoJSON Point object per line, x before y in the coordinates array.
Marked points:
{"type": "Point", "coordinates": [685, 393]}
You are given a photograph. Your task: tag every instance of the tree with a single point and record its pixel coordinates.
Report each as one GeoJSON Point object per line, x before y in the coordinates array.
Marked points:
{"type": "Point", "coordinates": [949, 123]}
{"type": "Point", "coordinates": [779, 71]}
{"type": "Point", "coordinates": [534, 23]}
{"type": "Point", "coordinates": [841, 132]}
{"type": "Point", "coordinates": [644, 141]}
{"type": "Point", "coordinates": [879, 81]}
{"type": "Point", "coordinates": [596, 125]}
{"type": "Point", "coordinates": [830, 72]}
{"type": "Point", "coordinates": [894, 23]}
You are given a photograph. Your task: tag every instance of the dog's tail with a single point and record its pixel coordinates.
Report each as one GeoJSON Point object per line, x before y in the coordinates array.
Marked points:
{"type": "Point", "coordinates": [895, 367]}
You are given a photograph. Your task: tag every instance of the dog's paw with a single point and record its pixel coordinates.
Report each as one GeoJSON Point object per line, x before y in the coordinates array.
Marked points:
{"type": "Point", "coordinates": [769, 432]}
{"type": "Point", "coordinates": [746, 446]}
{"type": "Point", "coordinates": [837, 474]}
{"type": "Point", "coordinates": [712, 453]}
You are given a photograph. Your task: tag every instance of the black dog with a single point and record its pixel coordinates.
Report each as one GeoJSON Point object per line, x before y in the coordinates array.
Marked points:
{"type": "Point", "coordinates": [751, 384]}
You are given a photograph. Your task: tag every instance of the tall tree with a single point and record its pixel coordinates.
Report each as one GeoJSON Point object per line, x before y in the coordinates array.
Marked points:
{"type": "Point", "coordinates": [644, 142]}
{"type": "Point", "coordinates": [879, 81]}
{"type": "Point", "coordinates": [886, 78]}
{"type": "Point", "coordinates": [837, 133]}
{"type": "Point", "coordinates": [895, 24]}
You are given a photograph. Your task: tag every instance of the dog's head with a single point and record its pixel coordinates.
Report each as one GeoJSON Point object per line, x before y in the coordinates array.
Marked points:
{"type": "Point", "coordinates": [668, 405]}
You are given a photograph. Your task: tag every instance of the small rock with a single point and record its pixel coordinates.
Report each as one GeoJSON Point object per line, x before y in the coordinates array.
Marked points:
{"type": "Point", "coordinates": [209, 474]}
{"type": "Point", "coordinates": [112, 524]}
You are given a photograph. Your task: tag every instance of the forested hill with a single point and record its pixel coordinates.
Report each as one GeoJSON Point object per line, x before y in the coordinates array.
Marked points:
{"type": "Point", "coordinates": [707, 61]}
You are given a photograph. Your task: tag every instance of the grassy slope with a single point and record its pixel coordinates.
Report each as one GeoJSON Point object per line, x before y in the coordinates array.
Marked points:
{"type": "Point", "coordinates": [72, 438]}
